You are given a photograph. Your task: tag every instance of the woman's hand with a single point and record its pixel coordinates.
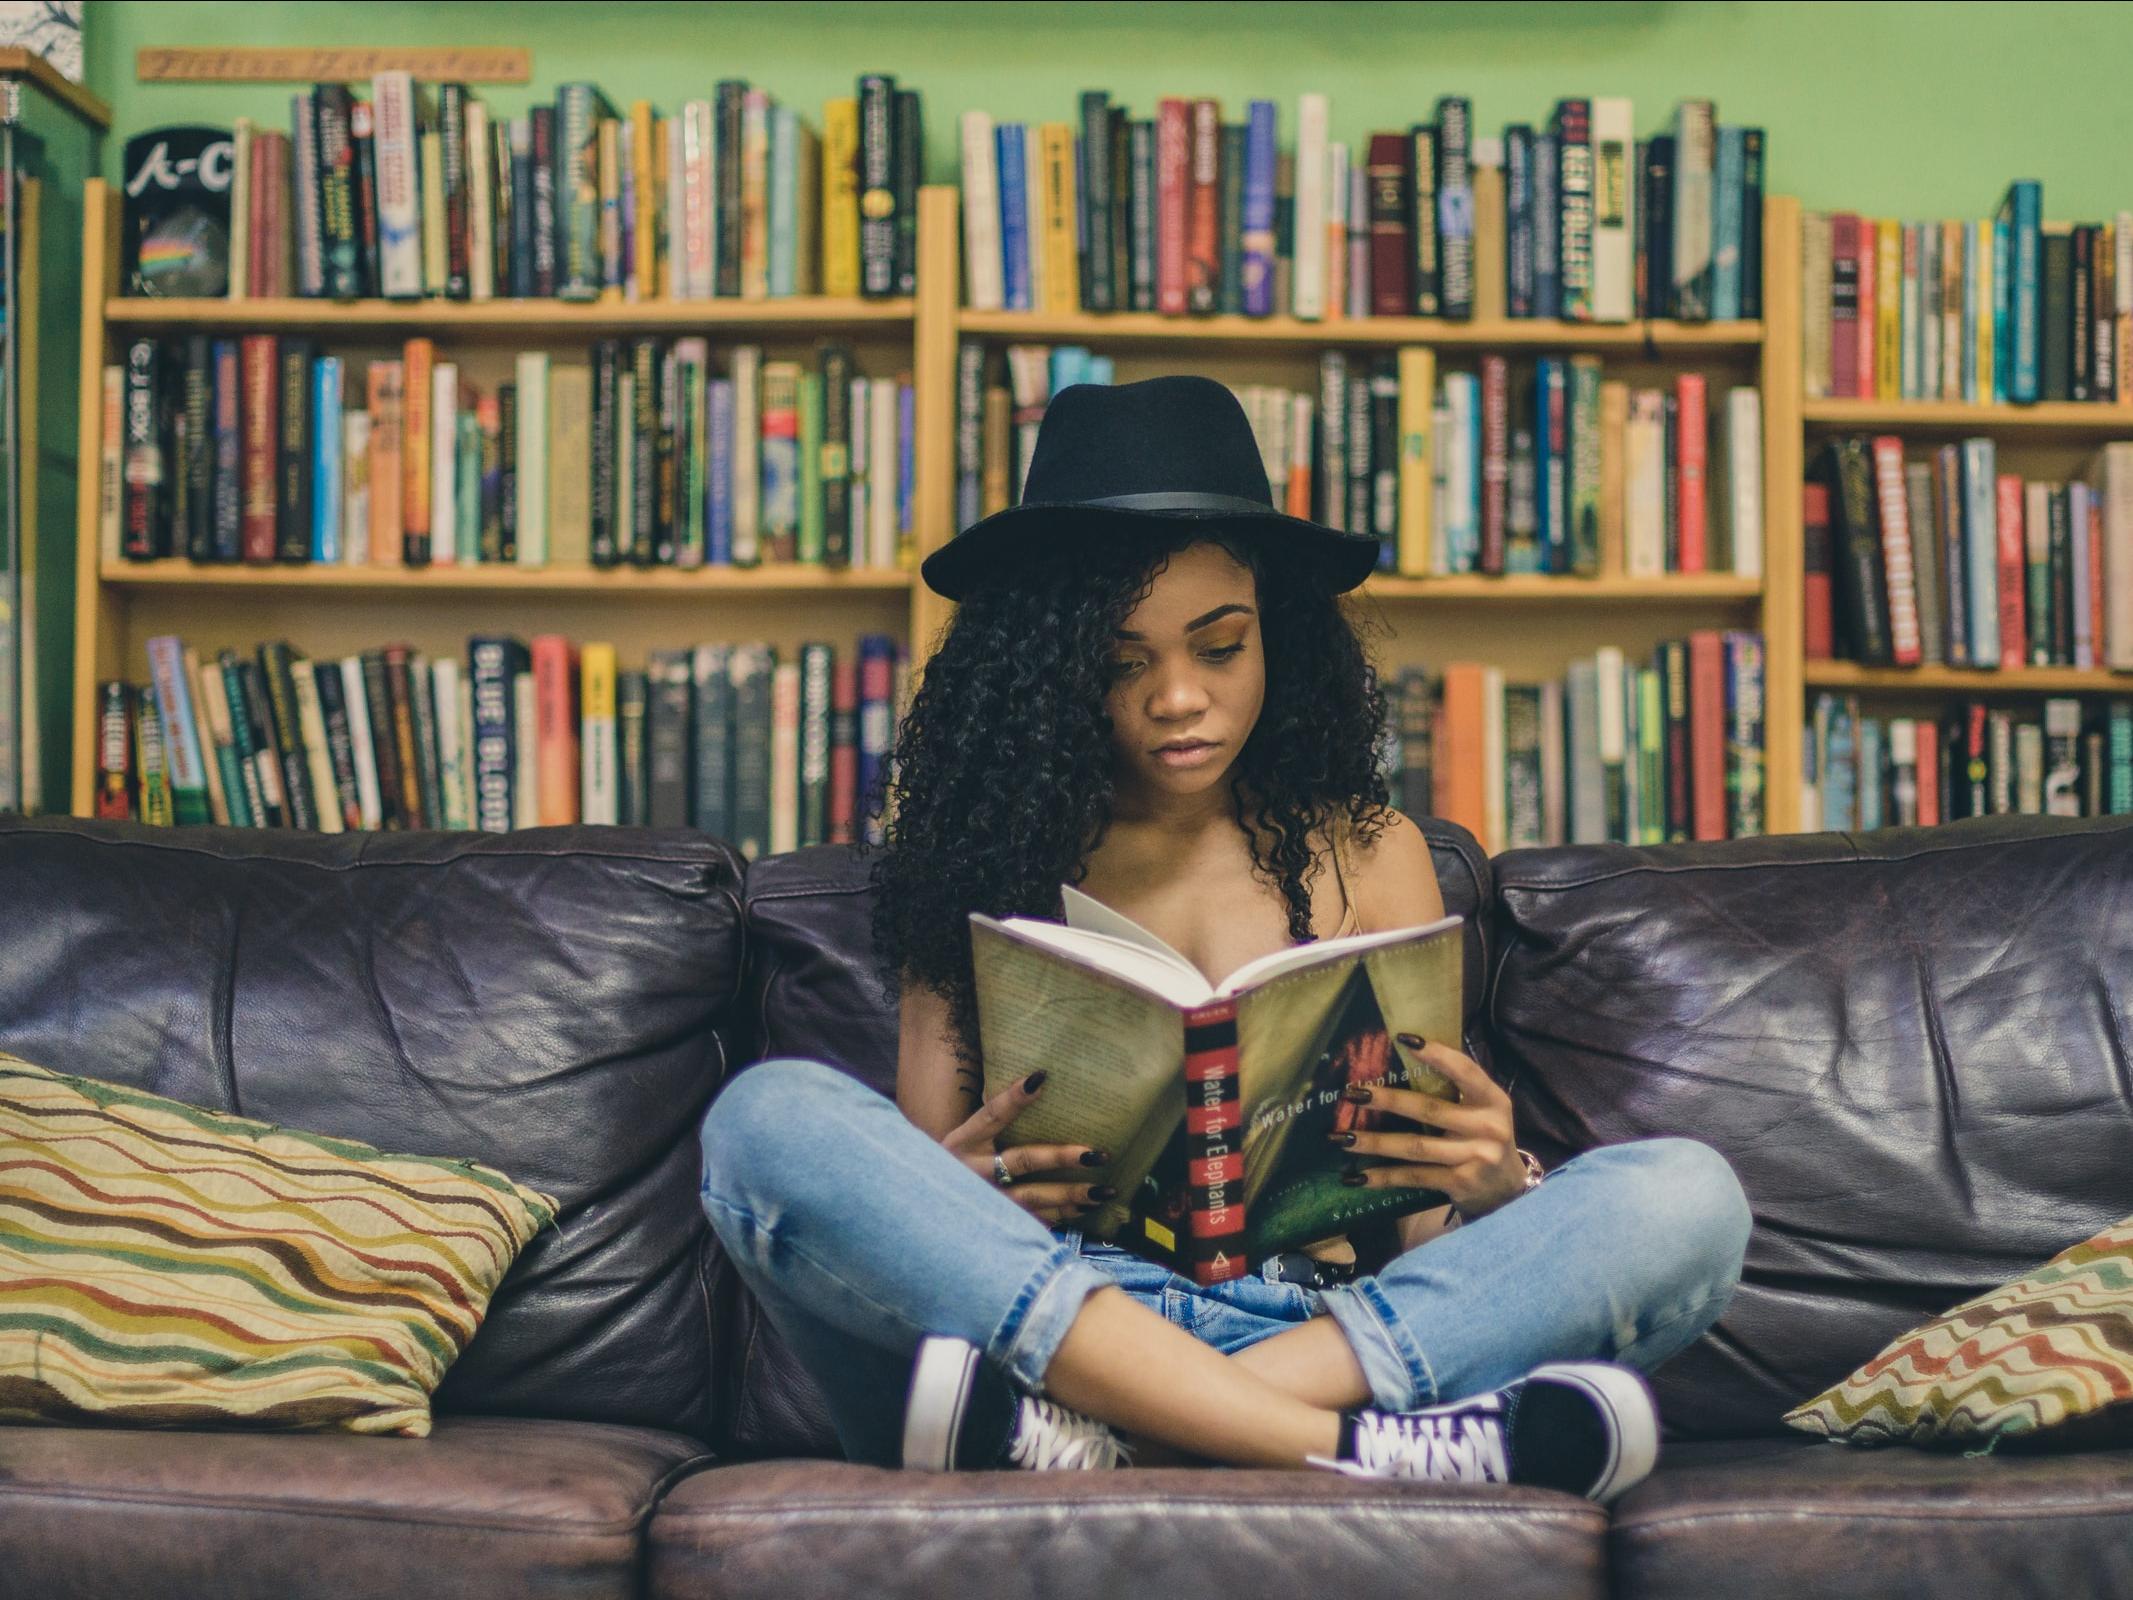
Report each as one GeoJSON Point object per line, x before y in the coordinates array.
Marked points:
{"type": "Point", "coordinates": [1471, 1156]}
{"type": "Point", "coordinates": [974, 1145]}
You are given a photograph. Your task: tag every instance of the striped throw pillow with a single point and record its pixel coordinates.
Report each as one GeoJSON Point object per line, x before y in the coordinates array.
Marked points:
{"type": "Point", "coordinates": [167, 1266]}
{"type": "Point", "coordinates": [2053, 1351]}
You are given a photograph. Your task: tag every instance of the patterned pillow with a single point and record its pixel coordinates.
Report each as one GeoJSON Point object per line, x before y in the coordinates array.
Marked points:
{"type": "Point", "coordinates": [162, 1265]}
{"type": "Point", "coordinates": [2053, 1351]}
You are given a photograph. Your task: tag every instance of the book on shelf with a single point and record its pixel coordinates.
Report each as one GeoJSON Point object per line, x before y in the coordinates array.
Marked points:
{"type": "Point", "coordinates": [1213, 1099]}
{"type": "Point", "coordinates": [1666, 750]}
{"type": "Point", "coordinates": [1184, 212]}
{"type": "Point", "coordinates": [2069, 757]}
{"type": "Point", "coordinates": [770, 752]}
{"type": "Point", "coordinates": [419, 190]}
{"type": "Point", "coordinates": [262, 449]}
{"type": "Point", "coordinates": [1541, 466]}
{"type": "Point", "coordinates": [1941, 559]}
{"type": "Point", "coordinates": [2003, 309]}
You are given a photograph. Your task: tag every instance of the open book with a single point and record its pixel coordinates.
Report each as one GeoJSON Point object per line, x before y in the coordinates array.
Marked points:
{"type": "Point", "coordinates": [1214, 1100]}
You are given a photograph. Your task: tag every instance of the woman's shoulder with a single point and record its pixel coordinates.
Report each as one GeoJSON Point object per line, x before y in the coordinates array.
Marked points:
{"type": "Point", "coordinates": [1390, 873]}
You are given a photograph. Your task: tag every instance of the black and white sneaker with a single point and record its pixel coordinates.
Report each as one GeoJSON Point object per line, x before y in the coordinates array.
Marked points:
{"type": "Point", "coordinates": [961, 1415]}
{"type": "Point", "coordinates": [1588, 1427]}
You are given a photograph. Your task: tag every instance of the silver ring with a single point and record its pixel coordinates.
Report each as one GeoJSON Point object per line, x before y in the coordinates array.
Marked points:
{"type": "Point", "coordinates": [1000, 1174]}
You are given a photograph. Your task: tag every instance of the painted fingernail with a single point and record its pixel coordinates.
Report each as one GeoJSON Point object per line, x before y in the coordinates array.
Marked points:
{"type": "Point", "coordinates": [1096, 1158]}
{"type": "Point", "coordinates": [1101, 1192]}
{"type": "Point", "coordinates": [1035, 1081]}
{"type": "Point", "coordinates": [1353, 1180]}
{"type": "Point", "coordinates": [1413, 1041]}
{"type": "Point", "coordinates": [1342, 1139]}
{"type": "Point", "coordinates": [1357, 1094]}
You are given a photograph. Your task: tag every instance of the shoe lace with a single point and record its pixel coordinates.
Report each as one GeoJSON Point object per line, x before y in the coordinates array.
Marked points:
{"type": "Point", "coordinates": [1459, 1448]}
{"type": "Point", "coordinates": [1049, 1437]}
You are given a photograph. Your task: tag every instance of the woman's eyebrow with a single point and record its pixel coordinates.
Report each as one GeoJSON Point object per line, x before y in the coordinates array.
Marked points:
{"type": "Point", "coordinates": [1198, 622]}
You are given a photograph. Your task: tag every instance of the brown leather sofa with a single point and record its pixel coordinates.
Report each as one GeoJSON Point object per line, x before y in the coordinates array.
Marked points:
{"type": "Point", "coordinates": [1911, 1045]}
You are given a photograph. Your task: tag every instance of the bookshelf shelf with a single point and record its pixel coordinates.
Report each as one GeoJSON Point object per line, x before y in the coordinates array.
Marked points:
{"type": "Point", "coordinates": [807, 313]}
{"type": "Point", "coordinates": [1966, 680]}
{"type": "Point", "coordinates": [1147, 328]}
{"type": "Point", "coordinates": [1951, 416]}
{"type": "Point", "coordinates": [346, 608]}
{"type": "Point", "coordinates": [1527, 588]}
{"type": "Point", "coordinates": [504, 579]}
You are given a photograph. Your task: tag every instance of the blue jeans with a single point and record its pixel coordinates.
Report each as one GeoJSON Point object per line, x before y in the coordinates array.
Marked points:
{"type": "Point", "coordinates": [859, 1235]}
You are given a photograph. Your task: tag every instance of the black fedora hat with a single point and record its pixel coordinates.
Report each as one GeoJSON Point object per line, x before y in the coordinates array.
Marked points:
{"type": "Point", "coordinates": [1155, 453]}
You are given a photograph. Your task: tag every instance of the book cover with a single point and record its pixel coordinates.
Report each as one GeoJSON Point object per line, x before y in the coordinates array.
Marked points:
{"type": "Point", "coordinates": [844, 749]}
{"type": "Point", "coordinates": [1214, 1099]}
{"type": "Point", "coordinates": [668, 727]}
{"type": "Point", "coordinates": [816, 661]}
{"type": "Point", "coordinates": [1455, 206]}
{"type": "Point", "coordinates": [1571, 129]}
{"type": "Point", "coordinates": [293, 452]}
{"type": "Point", "coordinates": [750, 669]}
{"type": "Point", "coordinates": [176, 230]}
{"type": "Point", "coordinates": [1693, 156]}
{"type": "Point", "coordinates": [1614, 212]}
{"type": "Point", "coordinates": [877, 188]}
{"type": "Point", "coordinates": [1257, 262]}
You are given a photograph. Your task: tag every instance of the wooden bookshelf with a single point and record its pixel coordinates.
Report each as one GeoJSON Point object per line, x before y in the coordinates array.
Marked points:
{"type": "Point", "coordinates": [545, 319]}
{"type": "Point", "coordinates": [2061, 431]}
{"type": "Point", "coordinates": [504, 579]}
{"type": "Point", "coordinates": [1528, 624]}
{"type": "Point", "coordinates": [1970, 682]}
{"type": "Point", "coordinates": [1530, 588]}
{"type": "Point", "coordinates": [2057, 417]}
{"type": "Point", "coordinates": [335, 609]}
{"type": "Point", "coordinates": [1508, 333]}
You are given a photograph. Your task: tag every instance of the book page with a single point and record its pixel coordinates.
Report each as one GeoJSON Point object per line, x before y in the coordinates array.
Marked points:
{"type": "Point", "coordinates": [1086, 911]}
{"type": "Point", "coordinates": [1160, 971]}
{"type": "Point", "coordinates": [1268, 967]}
{"type": "Point", "coordinates": [1114, 1054]}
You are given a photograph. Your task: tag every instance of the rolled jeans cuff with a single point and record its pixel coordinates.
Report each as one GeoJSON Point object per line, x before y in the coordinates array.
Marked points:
{"type": "Point", "coordinates": [1395, 1367]}
{"type": "Point", "coordinates": [1030, 1334]}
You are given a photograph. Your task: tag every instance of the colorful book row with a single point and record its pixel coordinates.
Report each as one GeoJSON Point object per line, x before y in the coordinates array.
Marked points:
{"type": "Point", "coordinates": [655, 452]}
{"type": "Point", "coordinates": [1547, 467]}
{"type": "Point", "coordinates": [1652, 753]}
{"type": "Point", "coordinates": [1186, 214]}
{"type": "Point", "coordinates": [1949, 561]}
{"type": "Point", "coordinates": [2010, 308]}
{"type": "Point", "coordinates": [1864, 772]}
{"type": "Point", "coordinates": [421, 191]}
{"type": "Point", "coordinates": [772, 754]}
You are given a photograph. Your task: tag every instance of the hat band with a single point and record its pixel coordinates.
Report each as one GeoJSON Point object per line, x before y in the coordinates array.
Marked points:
{"type": "Point", "coordinates": [1179, 500]}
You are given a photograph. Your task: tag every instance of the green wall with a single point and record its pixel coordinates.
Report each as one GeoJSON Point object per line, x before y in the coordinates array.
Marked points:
{"type": "Point", "coordinates": [1918, 110]}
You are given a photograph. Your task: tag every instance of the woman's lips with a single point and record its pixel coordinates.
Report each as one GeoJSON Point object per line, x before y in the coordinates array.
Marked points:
{"type": "Point", "coordinates": [1189, 756]}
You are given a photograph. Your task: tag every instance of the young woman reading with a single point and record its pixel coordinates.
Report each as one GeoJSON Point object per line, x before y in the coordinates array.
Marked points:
{"type": "Point", "coordinates": [1152, 690]}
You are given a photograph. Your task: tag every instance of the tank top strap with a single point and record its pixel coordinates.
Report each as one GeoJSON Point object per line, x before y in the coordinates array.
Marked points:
{"type": "Point", "coordinates": [1337, 836]}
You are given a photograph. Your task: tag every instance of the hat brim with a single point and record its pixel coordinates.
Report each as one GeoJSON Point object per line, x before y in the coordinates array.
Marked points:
{"type": "Point", "coordinates": [994, 544]}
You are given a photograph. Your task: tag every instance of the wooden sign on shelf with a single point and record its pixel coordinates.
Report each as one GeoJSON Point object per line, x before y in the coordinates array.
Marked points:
{"type": "Point", "coordinates": [304, 64]}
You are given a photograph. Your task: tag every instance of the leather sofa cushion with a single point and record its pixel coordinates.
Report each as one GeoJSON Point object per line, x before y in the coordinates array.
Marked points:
{"type": "Point", "coordinates": [1910, 1046]}
{"type": "Point", "coordinates": [1182, 1533]}
{"type": "Point", "coordinates": [1784, 1517]}
{"type": "Point", "coordinates": [544, 1002]}
{"type": "Point", "coordinates": [812, 989]}
{"type": "Point", "coordinates": [499, 1507]}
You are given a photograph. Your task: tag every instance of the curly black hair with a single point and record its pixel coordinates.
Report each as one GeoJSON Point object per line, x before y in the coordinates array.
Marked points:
{"type": "Point", "coordinates": [1003, 763]}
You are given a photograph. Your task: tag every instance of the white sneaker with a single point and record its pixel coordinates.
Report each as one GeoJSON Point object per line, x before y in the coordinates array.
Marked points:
{"type": "Point", "coordinates": [1588, 1427]}
{"type": "Point", "coordinates": [961, 1415]}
